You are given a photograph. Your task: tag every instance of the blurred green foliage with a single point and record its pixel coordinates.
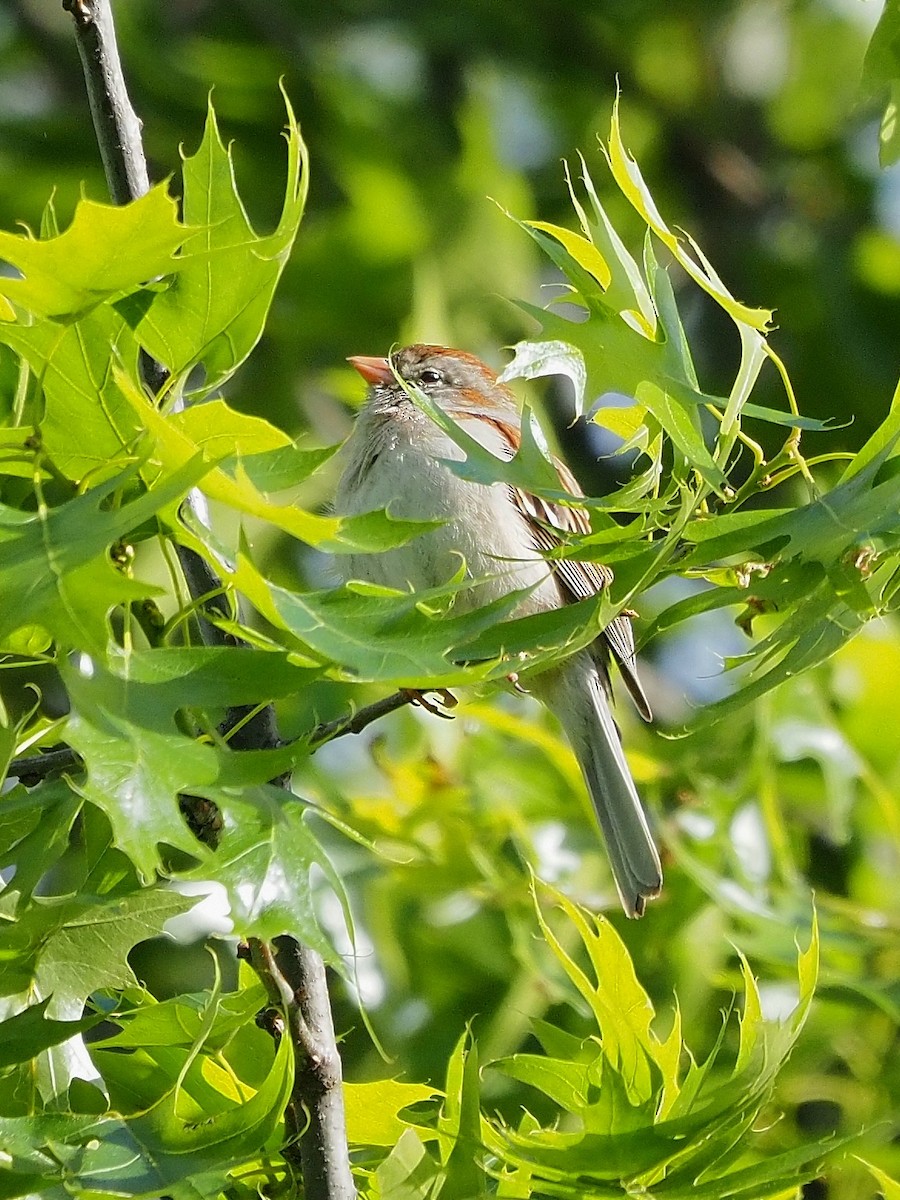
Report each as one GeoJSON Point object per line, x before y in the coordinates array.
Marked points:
{"type": "Point", "coordinates": [753, 133]}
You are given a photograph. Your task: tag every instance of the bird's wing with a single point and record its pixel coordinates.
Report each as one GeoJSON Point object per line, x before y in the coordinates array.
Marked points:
{"type": "Point", "coordinates": [546, 520]}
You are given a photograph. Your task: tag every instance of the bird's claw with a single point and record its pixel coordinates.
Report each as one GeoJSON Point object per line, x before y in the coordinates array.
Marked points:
{"type": "Point", "coordinates": [445, 700]}
{"type": "Point", "coordinates": [513, 679]}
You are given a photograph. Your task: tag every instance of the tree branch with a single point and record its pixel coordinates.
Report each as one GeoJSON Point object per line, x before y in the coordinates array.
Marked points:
{"type": "Point", "coordinates": [115, 121]}
{"type": "Point", "coordinates": [294, 978]}
{"type": "Point", "coordinates": [356, 722]}
{"type": "Point", "coordinates": [33, 768]}
{"type": "Point", "coordinates": [322, 1137]}
{"type": "Point", "coordinates": [36, 767]}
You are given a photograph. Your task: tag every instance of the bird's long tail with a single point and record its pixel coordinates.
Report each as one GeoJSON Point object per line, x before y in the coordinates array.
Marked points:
{"type": "Point", "coordinates": [577, 694]}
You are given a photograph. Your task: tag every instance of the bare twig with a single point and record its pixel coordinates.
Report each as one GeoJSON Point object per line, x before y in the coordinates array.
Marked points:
{"type": "Point", "coordinates": [115, 121]}
{"type": "Point", "coordinates": [322, 1138]}
{"type": "Point", "coordinates": [356, 722]}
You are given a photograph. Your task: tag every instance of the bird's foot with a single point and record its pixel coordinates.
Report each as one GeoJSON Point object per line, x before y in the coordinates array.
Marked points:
{"type": "Point", "coordinates": [438, 707]}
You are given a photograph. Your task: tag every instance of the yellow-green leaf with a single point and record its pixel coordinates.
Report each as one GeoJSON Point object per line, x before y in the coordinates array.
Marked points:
{"type": "Point", "coordinates": [371, 1109]}
{"type": "Point", "coordinates": [584, 252]}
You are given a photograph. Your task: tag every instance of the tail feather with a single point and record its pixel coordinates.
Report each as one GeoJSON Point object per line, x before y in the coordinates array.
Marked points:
{"type": "Point", "coordinates": [578, 697]}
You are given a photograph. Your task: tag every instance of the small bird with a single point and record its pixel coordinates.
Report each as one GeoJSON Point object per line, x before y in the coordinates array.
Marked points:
{"type": "Point", "coordinates": [393, 460]}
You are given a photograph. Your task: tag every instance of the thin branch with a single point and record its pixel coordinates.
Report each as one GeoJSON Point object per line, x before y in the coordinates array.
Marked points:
{"type": "Point", "coordinates": [295, 982]}
{"type": "Point", "coordinates": [115, 121]}
{"type": "Point", "coordinates": [324, 1154]}
{"type": "Point", "coordinates": [35, 767]}
{"type": "Point", "coordinates": [356, 722]}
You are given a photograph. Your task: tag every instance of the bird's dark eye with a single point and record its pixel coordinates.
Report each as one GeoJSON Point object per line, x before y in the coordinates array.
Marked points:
{"type": "Point", "coordinates": [429, 375]}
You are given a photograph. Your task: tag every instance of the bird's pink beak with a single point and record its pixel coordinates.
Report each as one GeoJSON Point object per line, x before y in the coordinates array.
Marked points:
{"type": "Point", "coordinates": [373, 370]}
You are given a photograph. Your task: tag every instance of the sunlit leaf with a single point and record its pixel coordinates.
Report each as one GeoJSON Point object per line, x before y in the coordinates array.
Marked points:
{"type": "Point", "coordinates": [214, 308]}
{"type": "Point", "coordinates": [56, 570]}
{"type": "Point", "coordinates": [107, 249]}
{"type": "Point", "coordinates": [172, 446]}
{"type": "Point", "coordinates": [585, 253]}
{"type": "Point", "coordinates": [407, 1173]}
{"type": "Point", "coordinates": [87, 425]}
{"type": "Point", "coordinates": [888, 1186]}
{"type": "Point", "coordinates": [643, 1119]}
{"type": "Point", "coordinates": [372, 1110]}
{"type": "Point", "coordinates": [535, 359]}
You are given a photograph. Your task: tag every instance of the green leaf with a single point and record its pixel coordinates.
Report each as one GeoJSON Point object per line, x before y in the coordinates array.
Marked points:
{"type": "Point", "coordinates": [184, 1020]}
{"type": "Point", "coordinates": [565, 1083]}
{"type": "Point", "coordinates": [23, 1183]}
{"type": "Point", "coordinates": [124, 723]}
{"type": "Point", "coordinates": [182, 1150]}
{"type": "Point", "coordinates": [681, 426]}
{"type": "Point", "coordinates": [774, 416]}
{"type": "Point", "coordinates": [34, 831]}
{"type": "Point", "coordinates": [461, 1140]}
{"type": "Point", "coordinates": [582, 251]}
{"type": "Point", "coordinates": [779, 1176]}
{"type": "Point", "coordinates": [213, 310]}
{"type": "Point", "coordinates": [211, 1062]}
{"type": "Point", "coordinates": [87, 425]}
{"type": "Point", "coordinates": [107, 249]}
{"type": "Point", "coordinates": [174, 450]}
{"type": "Point", "coordinates": [881, 70]}
{"type": "Point", "coordinates": [888, 1187]}
{"type": "Point", "coordinates": [638, 1126]}
{"type": "Point", "coordinates": [135, 771]}
{"type": "Point", "coordinates": [31, 1031]}
{"type": "Point", "coordinates": [861, 507]}
{"type": "Point", "coordinates": [138, 760]}
{"type": "Point", "coordinates": [156, 1152]}
{"type": "Point", "coordinates": [372, 1110]}
{"type": "Point", "coordinates": [407, 1173]}
{"type": "Point", "coordinates": [620, 1005]}
{"type": "Point", "coordinates": [530, 468]}
{"type": "Point", "coordinates": [627, 175]}
{"type": "Point", "coordinates": [56, 570]}
{"type": "Point", "coordinates": [881, 445]}
{"type": "Point", "coordinates": [532, 360]}
{"type": "Point", "coordinates": [263, 860]}
{"type": "Point", "coordinates": [222, 432]}
{"type": "Point", "coordinates": [249, 445]}
{"type": "Point", "coordinates": [65, 948]}
{"type": "Point", "coordinates": [392, 637]}
{"type": "Point", "coordinates": [277, 470]}
{"type": "Point", "coordinates": [627, 292]}
{"type": "Point", "coordinates": [149, 686]}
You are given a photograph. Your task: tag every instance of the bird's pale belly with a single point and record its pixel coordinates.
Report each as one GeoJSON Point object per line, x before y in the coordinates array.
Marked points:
{"type": "Point", "coordinates": [482, 528]}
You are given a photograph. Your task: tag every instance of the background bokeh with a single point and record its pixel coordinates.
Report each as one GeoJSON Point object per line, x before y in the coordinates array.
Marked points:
{"type": "Point", "coordinates": [746, 115]}
{"type": "Point", "coordinates": [423, 123]}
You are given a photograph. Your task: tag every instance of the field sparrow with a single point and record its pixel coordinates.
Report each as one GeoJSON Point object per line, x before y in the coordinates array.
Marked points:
{"type": "Point", "coordinates": [393, 460]}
